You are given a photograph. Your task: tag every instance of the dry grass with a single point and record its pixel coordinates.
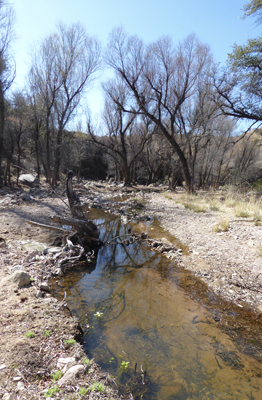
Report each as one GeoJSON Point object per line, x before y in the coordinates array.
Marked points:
{"type": "Point", "coordinates": [229, 201]}
{"type": "Point", "coordinates": [223, 226]}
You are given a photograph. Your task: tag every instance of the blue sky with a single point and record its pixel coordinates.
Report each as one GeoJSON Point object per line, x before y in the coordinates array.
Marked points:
{"type": "Point", "coordinates": [215, 22]}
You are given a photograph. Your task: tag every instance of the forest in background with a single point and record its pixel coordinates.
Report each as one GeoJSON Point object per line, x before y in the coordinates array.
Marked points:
{"type": "Point", "coordinates": [171, 115]}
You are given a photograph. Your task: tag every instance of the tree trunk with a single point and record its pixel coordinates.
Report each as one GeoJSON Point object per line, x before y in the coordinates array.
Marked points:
{"type": "Point", "coordinates": [55, 178]}
{"type": "Point", "coordinates": [2, 123]}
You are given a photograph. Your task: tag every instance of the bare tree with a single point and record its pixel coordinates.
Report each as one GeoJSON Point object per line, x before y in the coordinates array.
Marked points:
{"type": "Point", "coordinates": [126, 133]}
{"type": "Point", "coordinates": [7, 68]}
{"type": "Point", "coordinates": [45, 82]}
{"type": "Point", "coordinates": [61, 70]}
{"type": "Point", "coordinates": [162, 81]}
{"type": "Point", "coordinates": [78, 59]}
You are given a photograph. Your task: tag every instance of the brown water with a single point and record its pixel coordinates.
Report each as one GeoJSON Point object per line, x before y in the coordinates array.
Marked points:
{"type": "Point", "coordinates": [138, 313]}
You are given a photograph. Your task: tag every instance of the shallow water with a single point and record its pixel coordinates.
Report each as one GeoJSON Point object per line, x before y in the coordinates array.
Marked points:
{"type": "Point", "coordinates": [138, 313]}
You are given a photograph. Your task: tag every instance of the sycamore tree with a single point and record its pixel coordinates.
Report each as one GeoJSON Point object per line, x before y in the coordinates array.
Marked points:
{"type": "Point", "coordinates": [165, 83]}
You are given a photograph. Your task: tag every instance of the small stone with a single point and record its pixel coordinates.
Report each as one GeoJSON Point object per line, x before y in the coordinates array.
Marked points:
{"type": "Point", "coordinates": [20, 386]}
{"type": "Point", "coordinates": [72, 373]}
{"type": "Point", "coordinates": [3, 366]}
{"type": "Point", "coordinates": [6, 396]}
{"type": "Point", "coordinates": [39, 294]}
{"type": "Point", "coordinates": [44, 286]}
{"type": "Point", "coordinates": [17, 378]}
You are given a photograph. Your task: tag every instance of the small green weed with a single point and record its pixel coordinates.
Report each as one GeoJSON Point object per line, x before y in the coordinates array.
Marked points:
{"type": "Point", "coordinates": [112, 359]}
{"type": "Point", "coordinates": [124, 366]}
{"type": "Point", "coordinates": [30, 334]}
{"type": "Point", "coordinates": [87, 361]}
{"type": "Point", "coordinates": [56, 375]}
{"type": "Point", "coordinates": [47, 333]}
{"type": "Point", "coordinates": [97, 387]}
{"type": "Point", "coordinates": [52, 391]}
{"type": "Point", "coordinates": [70, 341]}
{"type": "Point", "coordinates": [82, 391]}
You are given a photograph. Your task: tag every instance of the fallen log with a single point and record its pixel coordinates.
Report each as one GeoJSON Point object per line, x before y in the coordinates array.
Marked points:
{"type": "Point", "coordinates": [50, 227]}
{"type": "Point", "coordinates": [84, 226]}
{"type": "Point", "coordinates": [84, 233]}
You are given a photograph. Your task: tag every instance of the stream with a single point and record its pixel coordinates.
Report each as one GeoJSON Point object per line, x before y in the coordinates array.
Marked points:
{"type": "Point", "coordinates": [147, 325]}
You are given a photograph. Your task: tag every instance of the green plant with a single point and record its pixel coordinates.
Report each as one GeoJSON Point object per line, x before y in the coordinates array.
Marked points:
{"type": "Point", "coordinates": [56, 375]}
{"type": "Point", "coordinates": [70, 341]}
{"type": "Point", "coordinates": [97, 387]}
{"type": "Point", "coordinates": [52, 391]}
{"type": "Point", "coordinates": [82, 391]}
{"type": "Point", "coordinates": [30, 334]}
{"type": "Point", "coordinates": [87, 361]}
{"type": "Point", "coordinates": [112, 359]}
{"type": "Point", "coordinates": [124, 366]}
{"type": "Point", "coordinates": [47, 333]}
{"type": "Point", "coordinates": [32, 280]}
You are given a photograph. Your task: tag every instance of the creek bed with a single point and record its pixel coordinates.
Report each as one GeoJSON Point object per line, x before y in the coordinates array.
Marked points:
{"type": "Point", "coordinates": [139, 317]}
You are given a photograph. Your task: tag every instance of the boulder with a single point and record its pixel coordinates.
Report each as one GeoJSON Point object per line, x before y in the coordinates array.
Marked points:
{"type": "Point", "coordinates": [20, 278]}
{"type": "Point", "coordinates": [28, 180]}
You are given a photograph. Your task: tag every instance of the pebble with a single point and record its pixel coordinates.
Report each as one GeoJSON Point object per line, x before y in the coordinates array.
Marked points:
{"type": "Point", "coordinates": [20, 386]}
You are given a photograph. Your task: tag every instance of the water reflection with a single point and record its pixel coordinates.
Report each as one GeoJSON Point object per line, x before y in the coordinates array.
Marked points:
{"type": "Point", "coordinates": [138, 314]}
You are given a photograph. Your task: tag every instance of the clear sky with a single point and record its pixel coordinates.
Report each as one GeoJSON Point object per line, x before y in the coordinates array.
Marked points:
{"type": "Point", "coordinates": [215, 22]}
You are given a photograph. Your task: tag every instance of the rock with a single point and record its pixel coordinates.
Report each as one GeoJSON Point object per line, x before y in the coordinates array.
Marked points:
{"type": "Point", "coordinates": [62, 363]}
{"type": "Point", "coordinates": [6, 396]}
{"type": "Point", "coordinates": [44, 286]}
{"type": "Point", "coordinates": [39, 294]}
{"type": "Point", "coordinates": [32, 256]}
{"type": "Point", "coordinates": [20, 278]}
{"type": "Point", "coordinates": [20, 386]}
{"type": "Point", "coordinates": [72, 373]}
{"type": "Point", "coordinates": [17, 378]}
{"type": "Point", "coordinates": [3, 366]}
{"type": "Point", "coordinates": [26, 197]}
{"type": "Point", "coordinates": [58, 272]}
{"type": "Point", "coordinates": [28, 180]}
{"type": "Point", "coordinates": [2, 242]}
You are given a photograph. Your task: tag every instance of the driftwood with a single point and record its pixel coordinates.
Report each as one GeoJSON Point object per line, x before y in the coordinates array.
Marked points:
{"type": "Point", "coordinates": [85, 228]}
{"type": "Point", "coordinates": [50, 227]}
{"type": "Point", "coordinates": [84, 233]}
